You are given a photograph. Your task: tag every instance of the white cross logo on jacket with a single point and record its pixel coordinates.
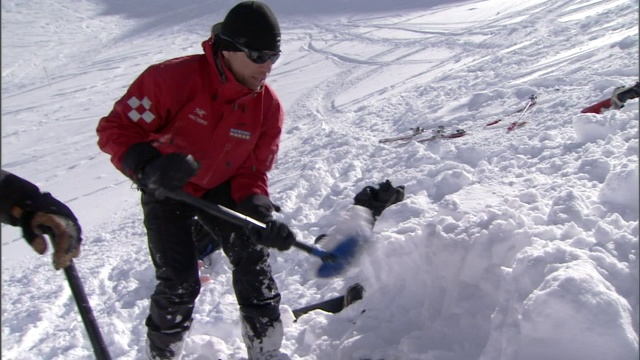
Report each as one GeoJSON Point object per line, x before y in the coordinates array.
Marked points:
{"type": "Point", "coordinates": [135, 115]}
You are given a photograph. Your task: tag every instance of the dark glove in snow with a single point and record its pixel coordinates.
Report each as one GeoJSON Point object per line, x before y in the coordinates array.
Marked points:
{"type": "Point", "coordinates": [378, 199]}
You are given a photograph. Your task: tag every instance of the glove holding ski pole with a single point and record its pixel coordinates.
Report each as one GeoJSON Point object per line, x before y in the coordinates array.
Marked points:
{"type": "Point", "coordinates": [38, 214]}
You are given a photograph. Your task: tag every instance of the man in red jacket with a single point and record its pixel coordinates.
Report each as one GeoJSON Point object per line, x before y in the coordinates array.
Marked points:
{"type": "Point", "coordinates": [208, 125]}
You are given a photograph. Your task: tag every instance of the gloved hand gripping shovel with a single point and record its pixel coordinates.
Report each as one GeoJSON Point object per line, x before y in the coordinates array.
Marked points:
{"type": "Point", "coordinates": [334, 262]}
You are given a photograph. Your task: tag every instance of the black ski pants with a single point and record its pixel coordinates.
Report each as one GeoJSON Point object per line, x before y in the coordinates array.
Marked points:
{"type": "Point", "coordinates": [174, 256]}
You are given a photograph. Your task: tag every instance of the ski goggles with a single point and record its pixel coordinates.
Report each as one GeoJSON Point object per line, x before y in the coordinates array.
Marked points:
{"type": "Point", "coordinates": [256, 57]}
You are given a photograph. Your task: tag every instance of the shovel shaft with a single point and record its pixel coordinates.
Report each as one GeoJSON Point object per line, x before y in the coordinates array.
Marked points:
{"type": "Point", "coordinates": [238, 219]}
{"type": "Point", "coordinates": [324, 255]}
{"type": "Point", "coordinates": [215, 209]}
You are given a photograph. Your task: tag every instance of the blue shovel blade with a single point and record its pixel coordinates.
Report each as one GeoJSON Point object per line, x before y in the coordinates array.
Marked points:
{"type": "Point", "coordinates": [339, 258]}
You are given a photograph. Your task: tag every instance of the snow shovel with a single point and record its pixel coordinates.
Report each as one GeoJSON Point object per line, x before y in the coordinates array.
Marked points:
{"type": "Point", "coordinates": [334, 262]}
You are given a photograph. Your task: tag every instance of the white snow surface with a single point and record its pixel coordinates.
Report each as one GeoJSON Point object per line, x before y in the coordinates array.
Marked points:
{"type": "Point", "coordinates": [519, 245]}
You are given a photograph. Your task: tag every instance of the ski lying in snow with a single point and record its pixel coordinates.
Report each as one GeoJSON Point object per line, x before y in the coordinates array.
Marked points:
{"type": "Point", "coordinates": [519, 122]}
{"type": "Point", "coordinates": [414, 132]}
{"type": "Point", "coordinates": [616, 101]}
{"type": "Point", "coordinates": [437, 133]}
{"type": "Point", "coordinates": [516, 125]}
{"type": "Point", "coordinates": [335, 305]}
{"type": "Point", "coordinates": [440, 133]}
{"type": "Point", "coordinates": [532, 102]}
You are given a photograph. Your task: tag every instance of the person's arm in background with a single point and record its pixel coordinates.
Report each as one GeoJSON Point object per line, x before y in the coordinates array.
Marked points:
{"type": "Point", "coordinates": [37, 213]}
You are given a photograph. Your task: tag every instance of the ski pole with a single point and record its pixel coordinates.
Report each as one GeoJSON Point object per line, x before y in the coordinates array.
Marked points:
{"type": "Point", "coordinates": [532, 98]}
{"type": "Point", "coordinates": [532, 101]}
{"type": "Point", "coordinates": [90, 324]}
{"type": "Point", "coordinates": [80, 297]}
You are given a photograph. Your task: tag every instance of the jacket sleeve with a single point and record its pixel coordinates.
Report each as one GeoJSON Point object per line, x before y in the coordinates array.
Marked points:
{"type": "Point", "coordinates": [251, 178]}
{"type": "Point", "coordinates": [14, 191]}
{"type": "Point", "coordinates": [135, 117]}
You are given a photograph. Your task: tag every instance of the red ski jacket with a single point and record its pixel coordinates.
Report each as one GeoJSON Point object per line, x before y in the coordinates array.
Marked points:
{"type": "Point", "coordinates": [184, 105]}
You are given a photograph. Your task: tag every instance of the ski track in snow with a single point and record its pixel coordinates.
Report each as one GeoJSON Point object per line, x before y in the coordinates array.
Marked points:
{"type": "Point", "coordinates": [507, 245]}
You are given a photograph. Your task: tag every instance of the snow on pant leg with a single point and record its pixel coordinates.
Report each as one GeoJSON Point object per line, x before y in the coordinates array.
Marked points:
{"type": "Point", "coordinates": [254, 286]}
{"type": "Point", "coordinates": [173, 253]}
{"type": "Point", "coordinates": [257, 294]}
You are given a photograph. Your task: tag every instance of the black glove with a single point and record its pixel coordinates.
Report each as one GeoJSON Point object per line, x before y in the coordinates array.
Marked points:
{"type": "Point", "coordinates": [379, 199]}
{"type": "Point", "coordinates": [137, 157]}
{"type": "Point", "coordinates": [258, 207]}
{"type": "Point", "coordinates": [169, 172]}
{"type": "Point", "coordinates": [276, 235]}
{"type": "Point", "coordinates": [146, 165]}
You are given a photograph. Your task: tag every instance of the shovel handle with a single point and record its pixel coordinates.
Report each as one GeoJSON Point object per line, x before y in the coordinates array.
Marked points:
{"type": "Point", "coordinates": [238, 219]}
{"type": "Point", "coordinates": [213, 209]}
{"type": "Point", "coordinates": [312, 250]}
